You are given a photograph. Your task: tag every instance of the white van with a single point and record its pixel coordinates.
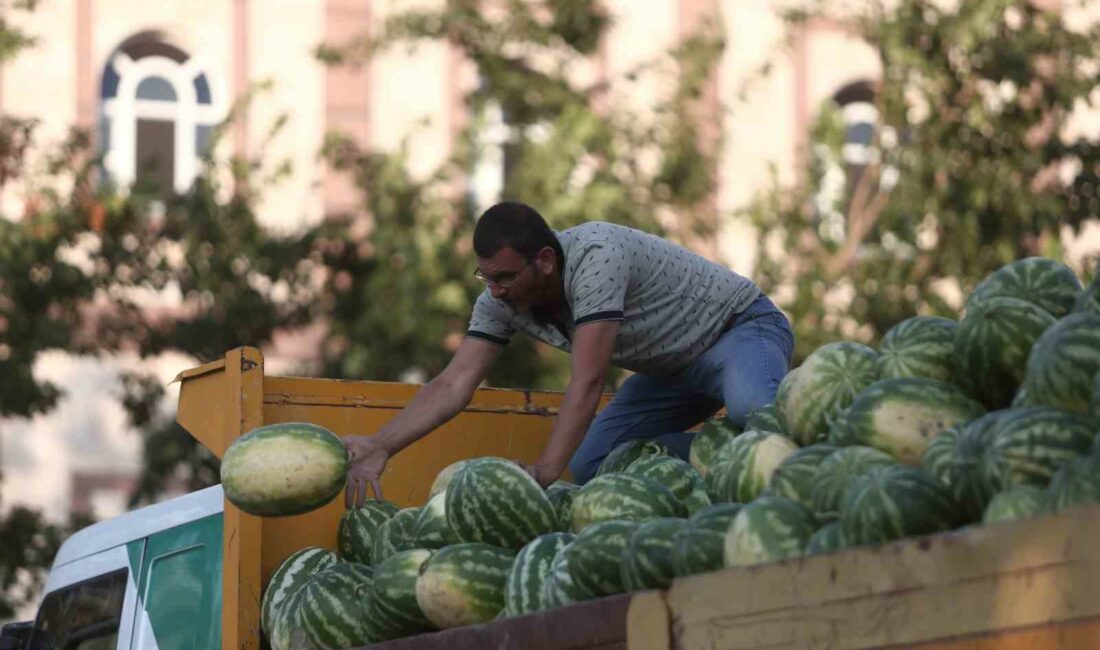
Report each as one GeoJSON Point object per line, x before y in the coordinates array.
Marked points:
{"type": "Point", "coordinates": [151, 578]}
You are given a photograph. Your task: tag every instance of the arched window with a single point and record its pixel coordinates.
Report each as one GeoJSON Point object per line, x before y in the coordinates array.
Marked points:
{"type": "Point", "coordinates": [159, 108]}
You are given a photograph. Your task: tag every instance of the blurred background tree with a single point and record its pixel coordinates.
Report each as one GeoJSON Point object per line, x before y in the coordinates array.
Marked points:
{"type": "Point", "coordinates": [973, 163]}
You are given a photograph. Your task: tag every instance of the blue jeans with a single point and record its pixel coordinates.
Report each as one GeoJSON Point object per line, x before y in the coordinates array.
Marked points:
{"type": "Point", "coordinates": [741, 370]}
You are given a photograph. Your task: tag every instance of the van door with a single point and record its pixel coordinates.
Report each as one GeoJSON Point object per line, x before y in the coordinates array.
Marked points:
{"type": "Point", "coordinates": [180, 587]}
{"type": "Point", "coordinates": [84, 615]}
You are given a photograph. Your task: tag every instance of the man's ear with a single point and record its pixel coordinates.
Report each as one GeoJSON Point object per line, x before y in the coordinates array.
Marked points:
{"type": "Point", "coordinates": [546, 259]}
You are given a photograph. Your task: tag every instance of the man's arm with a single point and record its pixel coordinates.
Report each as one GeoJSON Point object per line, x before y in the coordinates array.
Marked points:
{"type": "Point", "coordinates": [592, 347]}
{"type": "Point", "coordinates": [433, 405]}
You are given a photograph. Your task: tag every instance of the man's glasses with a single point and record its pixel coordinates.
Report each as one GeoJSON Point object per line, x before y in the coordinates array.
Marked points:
{"type": "Point", "coordinates": [504, 280]}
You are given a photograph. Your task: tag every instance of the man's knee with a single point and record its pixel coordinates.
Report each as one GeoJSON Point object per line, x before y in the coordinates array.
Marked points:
{"type": "Point", "coordinates": [583, 469]}
{"type": "Point", "coordinates": [739, 409]}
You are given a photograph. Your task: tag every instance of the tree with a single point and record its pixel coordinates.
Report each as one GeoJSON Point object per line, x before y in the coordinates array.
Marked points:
{"type": "Point", "coordinates": [975, 166]}
{"type": "Point", "coordinates": [402, 294]}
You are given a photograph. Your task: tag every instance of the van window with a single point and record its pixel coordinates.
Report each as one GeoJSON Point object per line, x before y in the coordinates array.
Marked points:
{"type": "Point", "coordinates": [83, 616]}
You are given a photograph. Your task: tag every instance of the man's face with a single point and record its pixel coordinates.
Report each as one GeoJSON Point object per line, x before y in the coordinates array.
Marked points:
{"type": "Point", "coordinates": [512, 278]}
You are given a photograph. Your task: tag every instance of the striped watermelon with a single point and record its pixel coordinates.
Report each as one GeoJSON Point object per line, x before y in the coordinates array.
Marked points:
{"type": "Point", "coordinates": [893, 502]}
{"type": "Point", "coordinates": [678, 476]}
{"type": "Point", "coordinates": [464, 584]}
{"type": "Point", "coordinates": [960, 468]}
{"type": "Point", "coordinates": [765, 419]}
{"type": "Point", "coordinates": [838, 471]}
{"type": "Point", "coordinates": [1065, 362]}
{"type": "Point", "coordinates": [828, 539]}
{"type": "Point", "coordinates": [699, 546]}
{"type": "Point", "coordinates": [921, 346]}
{"type": "Point", "coordinates": [794, 478]}
{"type": "Point", "coordinates": [497, 502]}
{"type": "Point", "coordinates": [992, 347]}
{"type": "Point", "coordinates": [901, 416]}
{"type": "Point", "coordinates": [558, 587]}
{"type": "Point", "coordinates": [523, 589]}
{"type": "Point", "coordinates": [1029, 445]}
{"type": "Point", "coordinates": [445, 476]}
{"type": "Point", "coordinates": [332, 608]}
{"type": "Point", "coordinates": [1076, 483]}
{"type": "Point", "coordinates": [743, 474]}
{"type": "Point", "coordinates": [940, 453]}
{"type": "Point", "coordinates": [646, 562]}
{"type": "Point", "coordinates": [561, 494]}
{"type": "Point", "coordinates": [1018, 502]}
{"type": "Point", "coordinates": [392, 611]}
{"type": "Point", "coordinates": [294, 572]}
{"type": "Point", "coordinates": [432, 529]}
{"type": "Point", "coordinates": [768, 529]}
{"type": "Point", "coordinates": [811, 395]}
{"type": "Point", "coordinates": [284, 469]}
{"type": "Point", "coordinates": [359, 527]}
{"type": "Point", "coordinates": [594, 557]}
{"type": "Point", "coordinates": [714, 433]}
{"type": "Point", "coordinates": [627, 452]}
{"type": "Point", "coordinates": [398, 533]}
{"type": "Point", "coordinates": [1088, 301]}
{"type": "Point", "coordinates": [623, 496]}
{"type": "Point", "coordinates": [1022, 398]}
{"type": "Point", "coordinates": [1047, 283]}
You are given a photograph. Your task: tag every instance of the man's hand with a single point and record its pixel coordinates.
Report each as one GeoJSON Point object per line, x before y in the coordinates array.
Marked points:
{"type": "Point", "coordinates": [368, 459]}
{"type": "Point", "coordinates": [543, 474]}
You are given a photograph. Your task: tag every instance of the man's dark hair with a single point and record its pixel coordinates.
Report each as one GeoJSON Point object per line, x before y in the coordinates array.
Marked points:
{"type": "Point", "coordinates": [516, 225]}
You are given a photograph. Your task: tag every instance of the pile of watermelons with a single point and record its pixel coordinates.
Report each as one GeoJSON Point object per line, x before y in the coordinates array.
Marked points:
{"type": "Point", "coordinates": [947, 424]}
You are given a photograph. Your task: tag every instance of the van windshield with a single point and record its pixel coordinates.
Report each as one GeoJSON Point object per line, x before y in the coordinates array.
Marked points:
{"type": "Point", "coordinates": [82, 616]}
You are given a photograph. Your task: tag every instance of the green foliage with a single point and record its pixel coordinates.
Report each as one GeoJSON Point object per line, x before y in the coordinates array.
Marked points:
{"type": "Point", "coordinates": [970, 145]}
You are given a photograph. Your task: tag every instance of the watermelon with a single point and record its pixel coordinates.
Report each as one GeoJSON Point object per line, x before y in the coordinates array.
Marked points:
{"type": "Point", "coordinates": [992, 347]}
{"type": "Point", "coordinates": [445, 476]}
{"type": "Point", "coordinates": [678, 476]}
{"type": "Point", "coordinates": [1029, 445]}
{"type": "Point", "coordinates": [359, 529]}
{"type": "Point", "coordinates": [1018, 502]}
{"type": "Point", "coordinates": [464, 584]}
{"type": "Point", "coordinates": [497, 502]}
{"type": "Point", "coordinates": [558, 587]}
{"type": "Point", "coordinates": [794, 478]}
{"type": "Point", "coordinates": [810, 396]}
{"type": "Point", "coordinates": [392, 610]}
{"type": "Point", "coordinates": [1022, 398]}
{"type": "Point", "coordinates": [1064, 364]}
{"type": "Point", "coordinates": [594, 557]}
{"type": "Point", "coordinates": [768, 529]}
{"type": "Point", "coordinates": [332, 607]}
{"type": "Point", "coordinates": [432, 529]}
{"type": "Point", "coordinates": [765, 419]}
{"type": "Point", "coordinates": [284, 469]}
{"type": "Point", "coordinates": [960, 468]}
{"type": "Point", "coordinates": [646, 561]}
{"type": "Point", "coordinates": [294, 572]}
{"type": "Point", "coordinates": [828, 539]}
{"type": "Point", "coordinates": [921, 346]}
{"type": "Point", "coordinates": [627, 452]}
{"type": "Point", "coordinates": [523, 589]}
{"type": "Point", "coordinates": [1044, 282]}
{"type": "Point", "coordinates": [699, 546]}
{"type": "Point", "coordinates": [940, 453]}
{"type": "Point", "coordinates": [561, 494]}
{"type": "Point", "coordinates": [714, 434]}
{"type": "Point", "coordinates": [837, 473]}
{"type": "Point", "coordinates": [623, 496]}
{"type": "Point", "coordinates": [398, 533]}
{"type": "Point", "coordinates": [1076, 483]}
{"type": "Point", "coordinates": [901, 416]}
{"type": "Point", "coordinates": [1088, 301]}
{"type": "Point", "coordinates": [743, 475]}
{"type": "Point", "coordinates": [893, 502]}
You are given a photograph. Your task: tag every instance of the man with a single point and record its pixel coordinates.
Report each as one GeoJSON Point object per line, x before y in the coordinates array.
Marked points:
{"type": "Point", "coordinates": [697, 336]}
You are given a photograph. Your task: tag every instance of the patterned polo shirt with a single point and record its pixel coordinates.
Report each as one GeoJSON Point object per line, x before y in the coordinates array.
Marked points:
{"type": "Point", "coordinates": [673, 304]}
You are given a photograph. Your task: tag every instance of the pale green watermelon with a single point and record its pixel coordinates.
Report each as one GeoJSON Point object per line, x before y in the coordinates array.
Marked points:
{"type": "Point", "coordinates": [744, 473]}
{"type": "Point", "coordinates": [1017, 502]}
{"type": "Point", "coordinates": [626, 453]}
{"type": "Point", "coordinates": [284, 469]}
{"type": "Point", "coordinates": [332, 608]}
{"type": "Point", "coordinates": [1076, 483]}
{"type": "Point", "coordinates": [392, 610]}
{"type": "Point", "coordinates": [699, 546]}
{"type": "Point", "coordinates": [893, 502]}
{"type": "Point", "coordinates": [813, 394]}
{"type": "Point", "coordinates": [794, 478]}
{"type": "Point", "coordinates": [523, 589]}
{"type": "Point", "coordinates": [359, 528]}
{"type": "Point", "coordinates": [683, 480]}
{"type": "Point", "coordinates": [714, 433]}
{"type": "Point", "coordinates": [1044, 282]}
{"type": "Point", "coordinates": [561, 494]}
{"type": "Point", "coordinates": [558, 587]}
{"type": "Point", "coordinates": [646, 561]}
{"type": "Point", "coordinates": [464, 584]}
{"type": "Point", "coordinates": [828, 539]}
{"type": "Point", "coordinates": [837, 473]}
{"type": "Point", "coordinates": [497, 502]}
{"type": "Point", "coordinates": [765, 419]}
{"type": "Point", "coordinates": [398, 533]}
{"type": "Point", "coordinates": [768, 529]}
{"type": "Point", "coordinates": [445, 476]}
{"type": "Point", "coordinates": [902, 416]}
{"type": "Point", "coordinates": [293, 573]}
{"type": "Point", "coordinates": [1064, 364]}
{"type": "Point", "coordinates": [431, 529]}
{"type": "Point", "coordinates": [623, 496]}
{"type": "Point", "coordinates": [921, 346]}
